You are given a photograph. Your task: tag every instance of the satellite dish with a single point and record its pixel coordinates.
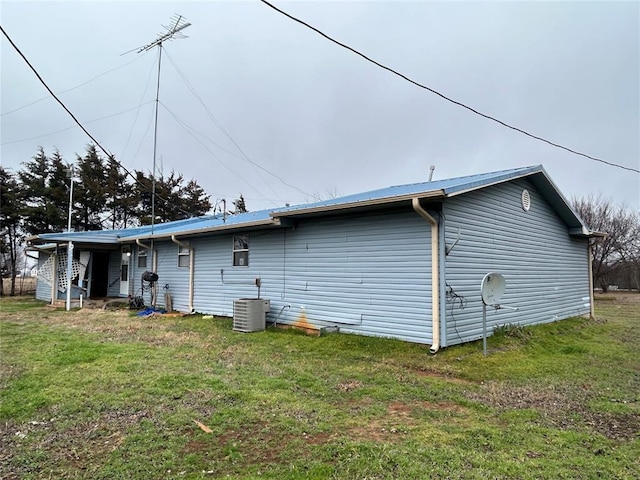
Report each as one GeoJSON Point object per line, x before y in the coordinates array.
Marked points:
{"type": "Point", "coordinates": [492, 288]}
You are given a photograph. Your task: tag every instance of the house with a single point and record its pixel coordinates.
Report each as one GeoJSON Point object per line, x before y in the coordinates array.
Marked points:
{"type": "Point", "coordinates": [404, 262]}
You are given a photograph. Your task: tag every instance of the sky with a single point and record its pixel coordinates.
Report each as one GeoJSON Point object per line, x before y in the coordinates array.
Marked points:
{"type": "Point", "coordinates": [253, 103]}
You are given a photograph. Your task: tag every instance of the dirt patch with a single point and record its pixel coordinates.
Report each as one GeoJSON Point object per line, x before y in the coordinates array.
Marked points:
{"type": "Point", "coordinates": [349, 385]}
{"type": "Point", "coordinates": [72, 446]}
{"type": "Point", "coordinates": [559, 407]}
{"type": "Point", "coordinates": [256, 443]}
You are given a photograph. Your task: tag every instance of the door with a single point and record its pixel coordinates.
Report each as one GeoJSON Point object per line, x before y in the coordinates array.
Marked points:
{"type": "Point", "coordinates": [99, 276]}
{"type": "Point", "coordinates": [124, 270]}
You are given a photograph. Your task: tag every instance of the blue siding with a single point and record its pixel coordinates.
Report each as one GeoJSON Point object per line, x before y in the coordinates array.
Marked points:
{"type": "Point", "coordinates": [218, 283]}
{"type": "Point", "coordinates": [177, 278]}
{"type": "Point", "coordinates": [368, 275]}
{"type": "Point", "coordinates": [545, 269]}
{"type": "Point", "coordinates": [113, 289]}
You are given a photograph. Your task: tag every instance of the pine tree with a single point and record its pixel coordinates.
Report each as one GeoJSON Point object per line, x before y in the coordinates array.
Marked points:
{"type": "Point", "coordinates": [33, 178]}
{"type": "Point", "coordinates": [58, 185]}
{"type": "Point", "coordinates": [241, 206]}
{"type": "Point", "coordinates": [121, 197]}
{"type": "Point", "coordinates": [92, 195]}
{"type": "Point", "coordinates": [194, 199]}
{"type": "Point", "coordinates": [174, 201]}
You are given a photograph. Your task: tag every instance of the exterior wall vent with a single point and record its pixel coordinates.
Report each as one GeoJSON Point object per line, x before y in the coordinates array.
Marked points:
{"type": "Point", "coordinates": [249, 314]}
{"type": "Point", "coordinates": [526, 200]}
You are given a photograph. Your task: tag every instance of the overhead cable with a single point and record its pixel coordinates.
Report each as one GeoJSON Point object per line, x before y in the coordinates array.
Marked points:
{"type": "Point", "coordinates": [191, 131]}
{"type": "Point", "coordinates": [110, 156]}
{"type": "Point", "coordinates": [75, 126]}
{"type": "Point", "coordinates": [71, 88]}
{"type": "Point", "coordinates": [460, 104]}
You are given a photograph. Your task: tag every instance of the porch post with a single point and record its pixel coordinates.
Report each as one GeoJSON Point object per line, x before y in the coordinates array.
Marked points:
{"type": "Point", "coordinates": [69, 272]}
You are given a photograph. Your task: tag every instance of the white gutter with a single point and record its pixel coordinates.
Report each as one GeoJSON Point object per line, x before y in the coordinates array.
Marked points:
{"type": "Point", "coordinates": [435, 277]}
{"type": "Point", "coordinates": [143, 245]}
{"type": "Point", "coordinates": [270, 222]}
{"type": "Point", "coordinates": [293, 211]}
{"type": "Point", "coordinates": [191, 268]}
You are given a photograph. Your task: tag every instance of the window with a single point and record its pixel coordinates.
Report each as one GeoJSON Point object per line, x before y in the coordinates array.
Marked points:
{"type": "Point", "coordinates": [184, 256]}
{"type": "Point", "coordinates": [241, 251]}
{"type": "Point", "coordinates": [142, 257]}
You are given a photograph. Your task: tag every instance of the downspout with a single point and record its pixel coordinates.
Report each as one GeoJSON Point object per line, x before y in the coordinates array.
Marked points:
{"type": "Point", "coordinates": [191, 268]}
{"type": "Point", "coordinates": [435, 277]}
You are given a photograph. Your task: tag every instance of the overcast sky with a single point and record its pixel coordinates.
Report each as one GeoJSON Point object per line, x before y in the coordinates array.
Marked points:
{"type": "Point", "coordinates": [318, 119]}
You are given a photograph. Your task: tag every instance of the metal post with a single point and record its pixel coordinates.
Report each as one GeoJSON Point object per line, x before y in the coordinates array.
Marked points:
{"type": "Point", "coordinates": [484, 329]}
{"type": "Point", "coordinates": [155, 146]}
{"type": "Point", "coordinates": [70, 244]}
{"type": "Point", "coordinates": [69, 272]}
{"type": "Point", "coordinates": [70, 199]}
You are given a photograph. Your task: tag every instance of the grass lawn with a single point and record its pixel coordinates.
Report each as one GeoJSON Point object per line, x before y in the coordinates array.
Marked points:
{"type": "Point", "coordinates": [106, 395]}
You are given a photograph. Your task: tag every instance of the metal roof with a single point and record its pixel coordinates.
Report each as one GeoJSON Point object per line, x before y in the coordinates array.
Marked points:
{"type": "Point", "coordinates": [207, 224]}
{"type": "Point", "coordinates": [436, 189]}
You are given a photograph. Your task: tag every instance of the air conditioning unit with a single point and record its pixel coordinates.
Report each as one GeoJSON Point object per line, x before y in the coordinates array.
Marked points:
{"type": "Point", "coordinates": [249, 314]}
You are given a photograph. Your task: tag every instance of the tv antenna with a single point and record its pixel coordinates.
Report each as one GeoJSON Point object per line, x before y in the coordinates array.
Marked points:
{"type": "Point", "coordinates": [178, 23]}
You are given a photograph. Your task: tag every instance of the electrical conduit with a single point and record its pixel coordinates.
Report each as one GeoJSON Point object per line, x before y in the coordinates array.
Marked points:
{"type": "Point", "coordinates": [435, 278]}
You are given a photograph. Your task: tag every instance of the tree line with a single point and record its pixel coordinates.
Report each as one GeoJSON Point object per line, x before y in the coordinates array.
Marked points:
{"type": "Point", "coordinates": [35, 199]}
{"type": "Point", "coordinates": [616, 256]}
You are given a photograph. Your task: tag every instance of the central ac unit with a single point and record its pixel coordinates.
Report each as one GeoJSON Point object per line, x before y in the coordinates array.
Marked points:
{"type": "Point", "coordinates": [249, 314]}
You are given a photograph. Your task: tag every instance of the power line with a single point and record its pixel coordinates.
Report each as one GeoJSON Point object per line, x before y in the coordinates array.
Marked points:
{"type": "Point", "coordinates": [110, 156]}
{"type": "Point", "coordinates": [460, 104]}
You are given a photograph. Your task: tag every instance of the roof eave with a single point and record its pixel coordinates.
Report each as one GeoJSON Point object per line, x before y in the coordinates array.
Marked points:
{"type": "Point", "coordinates": [507, 178]}
{"type": "Point", "coordinates": [357, 205]}
{"type": "Point", "coordinates": [585, 232]}
{"type": "Point", "coordinates": [270, 222]}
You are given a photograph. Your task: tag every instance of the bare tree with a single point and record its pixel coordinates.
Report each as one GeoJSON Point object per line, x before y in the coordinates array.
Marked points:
{"type": "Point", "coordinates": [11, 234]}
{"type": "Point", "coordinates": [620, 249]}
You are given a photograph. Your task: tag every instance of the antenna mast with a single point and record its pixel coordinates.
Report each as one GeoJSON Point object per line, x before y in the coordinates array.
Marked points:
{"type": "Point", "coordinates": [178, 23]}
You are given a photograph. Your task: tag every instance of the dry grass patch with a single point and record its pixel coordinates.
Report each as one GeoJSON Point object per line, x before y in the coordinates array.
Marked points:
{"type": "Point", "coordinates": [564, 407]}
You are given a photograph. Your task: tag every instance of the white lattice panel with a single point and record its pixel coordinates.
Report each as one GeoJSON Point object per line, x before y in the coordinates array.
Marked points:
{"type": "Point", "coordinates": [45, 271]}
{"type": "Point", "coordinates": [62, 271]}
